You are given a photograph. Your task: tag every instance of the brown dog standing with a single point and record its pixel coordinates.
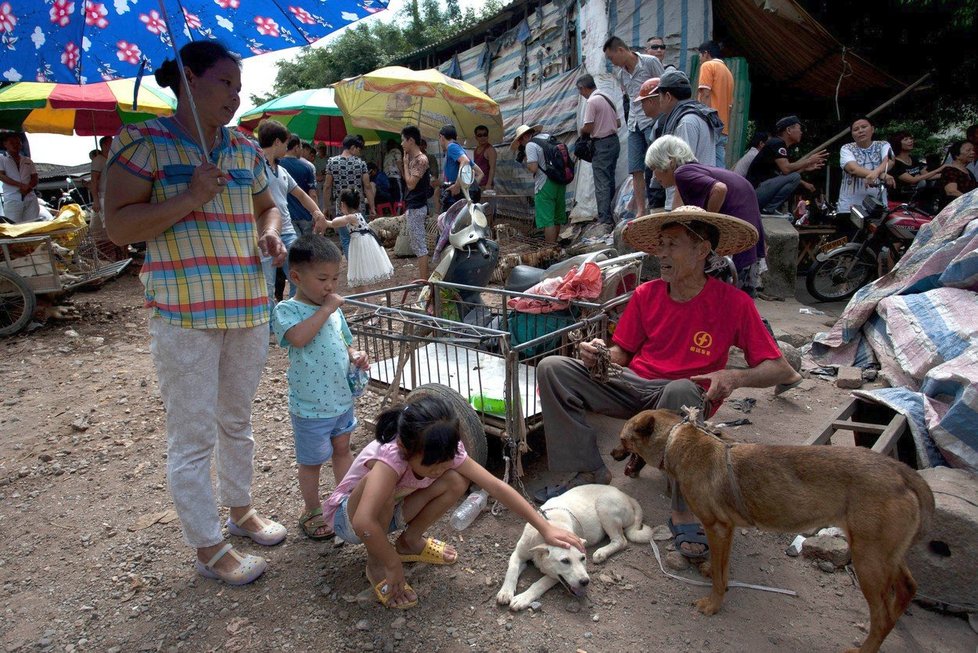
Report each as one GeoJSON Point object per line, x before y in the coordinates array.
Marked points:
{"type": "Point", "coordinates": [882, 505]}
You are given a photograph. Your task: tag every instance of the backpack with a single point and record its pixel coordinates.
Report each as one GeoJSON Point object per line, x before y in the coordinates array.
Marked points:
{"type": "Point", "coordinates": [557, 160]}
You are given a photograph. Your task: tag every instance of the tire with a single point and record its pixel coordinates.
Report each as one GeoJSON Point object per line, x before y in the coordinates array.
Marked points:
{"type": "Point", "coordinates": [826, 284]}
{"type": "Point", "coordinates": [17, 303]}
{"type": "Point", "coordinates": [473, 435]}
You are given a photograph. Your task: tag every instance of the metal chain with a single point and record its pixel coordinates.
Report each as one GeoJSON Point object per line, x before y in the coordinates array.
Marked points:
{"type": "Point", "coordinates": [603, 369]}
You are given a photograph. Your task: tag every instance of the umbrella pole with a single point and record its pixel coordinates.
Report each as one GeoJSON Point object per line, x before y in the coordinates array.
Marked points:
{"type": "Point", "coordinates": [183, 80]}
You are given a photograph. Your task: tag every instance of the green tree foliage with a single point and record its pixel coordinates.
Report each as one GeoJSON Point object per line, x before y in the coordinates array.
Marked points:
{"type": "Point", "coordinates": [366, 47]}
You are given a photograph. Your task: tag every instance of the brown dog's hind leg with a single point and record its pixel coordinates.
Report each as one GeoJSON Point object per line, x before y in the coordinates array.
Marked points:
{"type": "Point", "coordinates": [876, 578]}
{"type": "Point", "coordinates": [720, 537]}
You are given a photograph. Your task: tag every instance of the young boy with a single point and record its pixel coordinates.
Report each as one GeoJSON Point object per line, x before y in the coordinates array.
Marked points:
{"type": "Point", "coordinates": [312, 327]}
{"type": "Point", "coordinates": [273, 138]}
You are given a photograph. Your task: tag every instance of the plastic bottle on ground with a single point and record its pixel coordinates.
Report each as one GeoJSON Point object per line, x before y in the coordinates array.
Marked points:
{"type": "Point", "coordinates": [469, 509]}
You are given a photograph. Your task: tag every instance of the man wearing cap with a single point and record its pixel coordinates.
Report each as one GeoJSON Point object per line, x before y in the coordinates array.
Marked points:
{"type": "Point", "coordinates": [631, 70]}
{"type": "Point", "coordinates": [548, 196]}
{"type": "Point", "coordinates": [771, 173]}
{"type": "Point", "coordinates": [715, 89]}
{"type": "Point", "coordinates": [673, 340]}
{"type": "Point", "coordinates": [601, 125]}
{"type": "Point", "coordinates": [685, 118]}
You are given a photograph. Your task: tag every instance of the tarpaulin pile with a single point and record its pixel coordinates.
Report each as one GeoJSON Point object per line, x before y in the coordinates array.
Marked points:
{"type": "Point", "coordinates": [920, 324]}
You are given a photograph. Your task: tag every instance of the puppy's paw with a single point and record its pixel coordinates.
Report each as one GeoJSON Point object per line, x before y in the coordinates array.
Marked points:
{"type": "Point", "coordinates": [505, 597]}
{"type": "Point", "coordinates": [520, 602]}
{"type": "Point", "coordinates": [599, 557]}
{"type": "Point", "coordinates": [708, 605]}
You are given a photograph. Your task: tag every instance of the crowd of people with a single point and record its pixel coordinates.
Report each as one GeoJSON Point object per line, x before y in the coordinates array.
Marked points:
{"type": "Point", "coordinates": [219, 213]}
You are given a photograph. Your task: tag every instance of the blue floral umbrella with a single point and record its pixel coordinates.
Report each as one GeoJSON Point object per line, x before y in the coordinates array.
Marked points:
{"type": "Point", "coordinates": [84, 41]}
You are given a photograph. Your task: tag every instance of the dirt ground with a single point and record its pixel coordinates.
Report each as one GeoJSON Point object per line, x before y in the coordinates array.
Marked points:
{"type": "Point", "coordinates": [92, 557]}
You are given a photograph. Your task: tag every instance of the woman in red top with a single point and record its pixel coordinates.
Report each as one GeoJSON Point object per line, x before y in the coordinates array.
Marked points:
{"type": "Point", "coordinates": [956, 179]}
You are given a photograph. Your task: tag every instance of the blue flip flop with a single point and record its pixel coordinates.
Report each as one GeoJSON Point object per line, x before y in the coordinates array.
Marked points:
{"type": "Point", "coordinates": [689, 534]}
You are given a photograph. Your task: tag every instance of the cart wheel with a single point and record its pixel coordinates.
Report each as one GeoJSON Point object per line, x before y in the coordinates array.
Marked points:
{"type": "Point", "coordinates": [17, 303]}
{"type": "Point", "coordinates": [473, 435]}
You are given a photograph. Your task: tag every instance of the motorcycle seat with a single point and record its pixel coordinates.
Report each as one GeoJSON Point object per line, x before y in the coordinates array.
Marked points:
{"type": "Point", "coordinates": [523, 277]}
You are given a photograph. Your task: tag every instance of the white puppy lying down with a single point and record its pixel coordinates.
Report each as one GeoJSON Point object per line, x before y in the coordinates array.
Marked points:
{"type": "Point", "coordinates": [591, 511]}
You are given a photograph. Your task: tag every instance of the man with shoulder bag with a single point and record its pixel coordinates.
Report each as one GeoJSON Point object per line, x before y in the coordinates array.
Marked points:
{"type": "Point", "coordinates": [600, 132]}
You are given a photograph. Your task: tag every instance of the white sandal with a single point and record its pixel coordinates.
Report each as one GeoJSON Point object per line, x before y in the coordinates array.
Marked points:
{"type": "Point", "coordinates": [249, 567]}
{"type": "Point", "coordinates": [270, 535]}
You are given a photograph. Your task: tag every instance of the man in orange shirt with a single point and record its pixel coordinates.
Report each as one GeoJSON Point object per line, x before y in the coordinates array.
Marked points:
{"type": "Point", "coordinates": [716, 90]}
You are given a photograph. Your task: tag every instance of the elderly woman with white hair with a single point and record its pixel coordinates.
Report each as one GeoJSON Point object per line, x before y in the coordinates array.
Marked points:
{"type": "Point", "coordinates": [715, 189]}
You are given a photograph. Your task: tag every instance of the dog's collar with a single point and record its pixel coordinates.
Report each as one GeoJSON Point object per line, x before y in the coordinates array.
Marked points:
{"type": "Point", "coordinates": [577, 524]}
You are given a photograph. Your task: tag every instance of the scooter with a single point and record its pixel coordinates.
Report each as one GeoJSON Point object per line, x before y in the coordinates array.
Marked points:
{"type": "Point", "coordinates": [469, 258]}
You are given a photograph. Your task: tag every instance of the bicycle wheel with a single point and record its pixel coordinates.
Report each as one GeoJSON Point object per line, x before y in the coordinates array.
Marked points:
{"type": "Point", "coordinates": [839, 277]}
{"type": "Point", "coordinates": [17, 303]}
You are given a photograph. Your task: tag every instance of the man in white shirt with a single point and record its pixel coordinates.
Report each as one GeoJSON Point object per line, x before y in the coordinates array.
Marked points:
{"type": "Point", "coordinates": [631, 70]}
{"type": "Point", "coordinates": [19, 177]}
{"type": "Point", "coordinates": [601, 124]}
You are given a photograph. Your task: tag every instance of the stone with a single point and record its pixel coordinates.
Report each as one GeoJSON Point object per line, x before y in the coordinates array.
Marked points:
{"type": "Point", "coordinates": [826, 566]}
{"type": "Point", "coordinates": [791, 354]}
{"type": "Point", "coordinates": [398, 623]}
{"type": "Point", "coordinates": [825, 547]}
{"type": "Point", "coordinates": [676, 561]}
{"type": "Point", "coordinates": [849, 378]}
{"type": "Point", "coordinates": [363, 625]}
{"type": "Point", "coordinates": [943, 562]}
{"type": "Point", "coordinates": [661, 533]}
{"type": "Point", "coordinates": [782, 257]}
{"type": "Point", "coordinates": [572, 605]}
{"type": "Point", "coordinates": [796, 340]}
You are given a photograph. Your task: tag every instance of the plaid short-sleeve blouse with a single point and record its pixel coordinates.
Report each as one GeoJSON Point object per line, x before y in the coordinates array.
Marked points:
{"type": "Point", "coordinates": [204, 272]}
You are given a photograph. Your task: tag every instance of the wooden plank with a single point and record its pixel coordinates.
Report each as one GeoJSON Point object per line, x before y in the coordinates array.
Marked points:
{"type": "Point", "coordinates": [845, 425]}
{"type": "Point", "coordinates": [886, 444]}
{"type": "Point", "coordinates": [825, 437]}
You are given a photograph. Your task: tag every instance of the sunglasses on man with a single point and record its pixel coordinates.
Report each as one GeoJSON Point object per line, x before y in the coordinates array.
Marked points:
{"type": "Point", "coordinates": [657, 47]}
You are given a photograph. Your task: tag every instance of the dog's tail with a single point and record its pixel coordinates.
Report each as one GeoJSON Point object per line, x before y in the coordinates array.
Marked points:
{"type": "Point", "coordinates": [925, 498]}
{"type": "Point", "coordinates": [638, 532]}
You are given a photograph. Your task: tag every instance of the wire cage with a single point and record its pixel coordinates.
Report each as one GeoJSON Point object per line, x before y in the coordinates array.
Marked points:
{"type": "Point", "coordinates": [473, 341]}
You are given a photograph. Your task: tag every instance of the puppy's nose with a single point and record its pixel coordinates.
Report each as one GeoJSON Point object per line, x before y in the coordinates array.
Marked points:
{"type": "Point", "coordinates": [585, 581]}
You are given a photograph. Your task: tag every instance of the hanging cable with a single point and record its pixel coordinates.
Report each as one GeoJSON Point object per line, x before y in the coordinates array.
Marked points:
{"type": "Point", "coordinates": [845, 72]}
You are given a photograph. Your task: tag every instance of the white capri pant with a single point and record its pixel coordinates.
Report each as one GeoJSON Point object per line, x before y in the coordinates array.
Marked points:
{"type": "Point", "coordinates": [208, 379]}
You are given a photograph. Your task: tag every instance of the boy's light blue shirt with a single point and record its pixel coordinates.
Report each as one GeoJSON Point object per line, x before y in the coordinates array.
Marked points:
{"type": "Point", "coordinates": [318, 386]}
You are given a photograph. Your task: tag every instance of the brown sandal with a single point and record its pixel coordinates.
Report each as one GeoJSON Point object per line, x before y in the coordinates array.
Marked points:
{"type": "Point", "coordinates": [312, 521]}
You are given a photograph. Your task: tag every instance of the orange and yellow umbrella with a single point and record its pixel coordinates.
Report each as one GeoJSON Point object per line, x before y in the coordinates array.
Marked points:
{"type": "Point", "coordinates": [87, 110]}
{"type": "Point", "coordinates": [391, 98]}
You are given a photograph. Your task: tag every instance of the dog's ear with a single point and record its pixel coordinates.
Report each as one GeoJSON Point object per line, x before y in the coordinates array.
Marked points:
{"type": "Point", "coordinates": [643, 424]}
{"type": "Point", "coordinates": [541, 550]}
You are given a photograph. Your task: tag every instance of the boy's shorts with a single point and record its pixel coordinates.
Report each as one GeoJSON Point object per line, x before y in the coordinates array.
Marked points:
{"type": "Point", "coordinates": [314, 436]}
{"type": "Point", "coordinates": [550, 205]}
{"type": "Point", "coordinates": [344, 529]}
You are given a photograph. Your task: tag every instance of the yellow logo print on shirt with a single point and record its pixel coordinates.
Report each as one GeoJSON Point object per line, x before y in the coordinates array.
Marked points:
{"type": "Point", "coordinates": [701, 343]}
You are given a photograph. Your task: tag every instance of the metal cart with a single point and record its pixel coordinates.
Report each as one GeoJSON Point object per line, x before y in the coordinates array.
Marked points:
{"type": "Point", "coordinates": [480, 355]}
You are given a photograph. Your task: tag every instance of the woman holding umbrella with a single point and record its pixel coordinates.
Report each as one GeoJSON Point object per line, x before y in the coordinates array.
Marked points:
{"type": "Point", "coordinates": [196, 192]}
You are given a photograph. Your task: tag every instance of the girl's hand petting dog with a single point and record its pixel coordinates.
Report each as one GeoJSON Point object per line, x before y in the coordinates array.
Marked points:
{"type": "Point", "coordinates": [555, 536]}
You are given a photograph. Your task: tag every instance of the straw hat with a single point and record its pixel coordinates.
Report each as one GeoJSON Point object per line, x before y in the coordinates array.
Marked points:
{"type": "Point", "coordinates": [522, 129]}
{"type": "Point", "coordinates": [736, 235]}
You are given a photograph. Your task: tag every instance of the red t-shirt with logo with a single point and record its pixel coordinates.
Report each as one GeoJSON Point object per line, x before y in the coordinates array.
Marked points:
{"type": "Point", "coordinates": [676, 340]}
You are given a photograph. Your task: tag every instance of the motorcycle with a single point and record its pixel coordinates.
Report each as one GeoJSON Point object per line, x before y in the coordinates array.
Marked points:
{"type": "Point", "coordinates": [883, 234]}
{"type": "Point", "coordinates": [468, 235]}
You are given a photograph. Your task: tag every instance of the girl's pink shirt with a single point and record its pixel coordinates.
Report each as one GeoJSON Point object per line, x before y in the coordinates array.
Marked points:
{"type": "Point", "coordinates": [390, 455]}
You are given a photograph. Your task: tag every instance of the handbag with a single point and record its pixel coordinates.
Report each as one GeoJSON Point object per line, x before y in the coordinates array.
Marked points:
{"type": "Point", "coordinates": [584, 148]}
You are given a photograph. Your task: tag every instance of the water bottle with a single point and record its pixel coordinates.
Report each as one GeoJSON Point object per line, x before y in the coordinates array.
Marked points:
{"type": "Point", "coordinates": [357, 379]}
{"type": "Point", "coordinates": [466, 513]}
